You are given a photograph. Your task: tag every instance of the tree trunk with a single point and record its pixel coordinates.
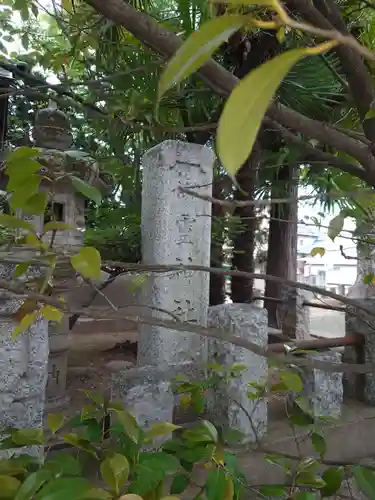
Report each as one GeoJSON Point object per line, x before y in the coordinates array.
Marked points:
{"type": "Point", "coordinates": [244, 241]}
{"type": "Point", "coordinates": [282, 239]}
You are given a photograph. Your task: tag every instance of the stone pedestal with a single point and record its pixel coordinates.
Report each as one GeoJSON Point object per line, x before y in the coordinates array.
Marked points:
{"type": "Point", "coordinates": [23, 368]}
{"type": "Point", "coordinates": [230, 406]}
{"type": "Point", "coordinates": [59, 345]}
{"type": "Point", "coordinates": [324, 390]}
{"type": "Point", "coordinates": [176, 229]}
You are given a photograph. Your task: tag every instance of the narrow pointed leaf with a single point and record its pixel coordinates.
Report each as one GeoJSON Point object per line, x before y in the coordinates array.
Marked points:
{"type": "Point", "coordinates": [244, 111]}
{"type": "Point", "coordinates": [197, 49]}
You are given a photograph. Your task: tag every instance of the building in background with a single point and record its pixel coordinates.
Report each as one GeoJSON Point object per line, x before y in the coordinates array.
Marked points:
{"type": "Point", "coordinates": [332, 271]}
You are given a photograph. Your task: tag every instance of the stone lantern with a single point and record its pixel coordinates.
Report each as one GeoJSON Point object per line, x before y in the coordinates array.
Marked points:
{"type": "Point", "coordinates": [53, 136]}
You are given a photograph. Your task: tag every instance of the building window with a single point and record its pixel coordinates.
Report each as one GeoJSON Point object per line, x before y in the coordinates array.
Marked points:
{"type": "Point", "coordinates": [336, 267]}
{"type": "Point", "coordinates": [54, 211]}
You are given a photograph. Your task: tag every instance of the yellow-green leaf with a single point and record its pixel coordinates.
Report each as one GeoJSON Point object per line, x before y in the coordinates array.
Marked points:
{"type": "Point", "coordinates": [67, 5]}
{"type": "Point", "coordinates": [14, 222]}
{"type": "Point", "coordinates": [99, 494]}
{"type": "Point", "coordinates": [8, 487]}
{"type": "Point", "coordinates": [318, 251]}
{"type": "Point", "coordinates": [292, 381]}
{"type": "Point", "coordinates": [21, 269]}
{"type": "Point", "coordinates": [56, 226]}
{"type": "Point", "coordinates": [25, 323]}
{"type": "Point", "coordinates": [335, 226]}
{"type": "Point", "coordinates": [22, 153]}
{"type": "Point", "coordinates": [36, 204]}
{"type": "Point", "coordinates": [33, 241]}
{"type": "Point", "coordinates": [370, 114]}
{"type": "Point", "coordinates": [88, 263]}
{"type": "Point", "coordinates": [245, 109]}
{"type": "Point", "coordinates": [199, 47]}
{"type": "Point", "coordinates": [161, 429]}
{"type": "Point", "coordinates": [55, 422]}
{"type": "Point", "coordinates": [115, 471]}
{"type": "Point", "coordinates": [52, 313]}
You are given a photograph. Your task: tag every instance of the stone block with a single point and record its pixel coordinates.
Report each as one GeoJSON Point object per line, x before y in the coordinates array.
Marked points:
{"type": "Point", "coordinates": [230, 406]}
{"type": "Point", "coordinates": [324, 390]}
{"type": "Point", "coordinates": [294, 316]}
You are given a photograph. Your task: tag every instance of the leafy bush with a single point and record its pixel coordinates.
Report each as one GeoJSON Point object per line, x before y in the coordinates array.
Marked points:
{"type": "Point", "coordinates": [125, 461]}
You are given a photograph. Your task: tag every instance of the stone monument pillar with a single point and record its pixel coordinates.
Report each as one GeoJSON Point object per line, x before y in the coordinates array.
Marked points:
{"type": "Point", "coordinates": [176, 229]}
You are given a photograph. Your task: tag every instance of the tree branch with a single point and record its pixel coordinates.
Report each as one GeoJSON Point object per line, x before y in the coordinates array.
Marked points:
{"type": "Point", "coordinates": [165, 43]}
{"type": "Point", "coordinates": [358, 77]}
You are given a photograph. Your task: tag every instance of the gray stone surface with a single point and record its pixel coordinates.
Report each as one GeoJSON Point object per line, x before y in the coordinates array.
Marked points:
{"type": "Point", "coordinates": [249, 322]}
{"type": "Point", "coordinates": [176, 229]}
{"type": "Point", "coordinates": [359, 322]}
{"type": "Point", "coordinates": [324, 390]}
{"type": "Point", "coordinates": [147, 391]}
{"type": "Point", "coordinates": [294, 316]}
{"type": "Point", "coordinates": [23, 367]}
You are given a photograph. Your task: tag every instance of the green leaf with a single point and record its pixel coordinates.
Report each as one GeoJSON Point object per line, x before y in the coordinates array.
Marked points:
{"type": "Point", "coordinates": [13, 222]}
{"type": "Point", "coordinates": [115, 471]}
{"type": "Point", "coordinates": [151, 470]}
{"type": "Point", "coordinates": [21, 173]}
{"type": "Point", "coordinates": [318, 251]}
{"type": "Point", "coordinates": [199, 47]}
{"type": "Point", "coordinates": [22, 153]}
{"type": "Point", "coordinates": [27, 437]}
{"type": "Point", "coordinates": [55, 421]}
{"type": "Point", "coordinates": [129, 424]}
{"type": "Point", "coordinates": [21, 269]}
{"type": "Point", "coordinates": [88, 263]}
{"type": "Point", "coordinates": [80, 443]}
{"type": "Point", "coordinates": [56, 226]}
{"type": "Point", "coordinates": [51, 313]}
{"type": "Point", "coordinates": [369, 279]}
{"type": "Point", "coordinates": [95, 396]}
{"type": "Point", "coordinates": [161, 429]}
{"type": "Point", "coordinates": [280, 461]}
{"type": "Point", "coordinates": [98, 494]}
{"type": "Point", "coordinates": [273, 490]}
{"type": "Point", "coordinates": [245, 108]}
{"type": "Point", "coordinates": [292, 381]}
{"type": "Point", "coordinates": [8, 487]}
{"type": "Point", "coordinates": [318, 443]}
{"type": "Point", "coordinates": [71, 488]}
{"type": "Point", "coordinates": [304, 495]}
{"type": "Point", "coordinates": [32, 484]}
{"type": "Point", "coordinates": [25, 323]}
{"type": "Point", "coordinates": [335, 226]}
{"type": "Point", "coordinates": [36, 204]}
{"type": "Point", "coordinates": [333, 478]}
{"type": "Point", "coordinates": [365, 479]}
{"type": "Point", "coordinates": [64, 464]}
{"type": "Point", "coordinates": [179, 484]}
{"type": "Point", "coordinates": [89, 191]}
{"type": "Point", "coordinates": [370, 114]}
{"type": "Point", "coordinates": [310, 479]}
{"type": "Point", "coordinates": [216, 484]}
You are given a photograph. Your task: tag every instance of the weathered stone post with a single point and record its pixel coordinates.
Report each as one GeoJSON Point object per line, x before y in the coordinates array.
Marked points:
{"type": "Point", "coordinates": [52, 135]}
{"type": "Point", "coordinates": [176, 229]}
{"type": "Point", "coordinates": [231, 408]}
